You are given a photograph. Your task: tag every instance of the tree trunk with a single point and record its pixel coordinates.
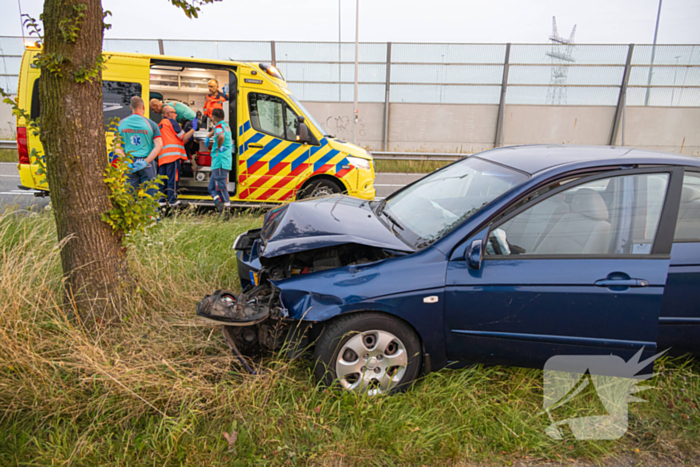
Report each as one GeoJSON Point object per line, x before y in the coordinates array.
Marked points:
{"type": "Point", "coordinates": [73, 136]}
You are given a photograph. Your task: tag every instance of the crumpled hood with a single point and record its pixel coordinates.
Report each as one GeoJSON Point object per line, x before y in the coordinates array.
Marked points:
{"type": "Point", "coordinates": [324, 222]}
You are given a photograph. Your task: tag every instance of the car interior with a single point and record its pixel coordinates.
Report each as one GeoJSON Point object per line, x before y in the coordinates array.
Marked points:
{"type": "Point", "coordinates": [688, 226]}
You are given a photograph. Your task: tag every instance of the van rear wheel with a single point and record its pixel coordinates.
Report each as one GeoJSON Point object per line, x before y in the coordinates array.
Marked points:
{"type": "Point", "coordinates": [319, 188]}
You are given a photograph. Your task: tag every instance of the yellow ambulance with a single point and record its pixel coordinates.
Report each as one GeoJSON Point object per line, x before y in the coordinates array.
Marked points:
{"type": "Point", "coordinates": [281, 152]}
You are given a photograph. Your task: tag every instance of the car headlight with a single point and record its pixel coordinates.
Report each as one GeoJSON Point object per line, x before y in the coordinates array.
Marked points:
{"type": "Point", "coordinates": [359, 163]}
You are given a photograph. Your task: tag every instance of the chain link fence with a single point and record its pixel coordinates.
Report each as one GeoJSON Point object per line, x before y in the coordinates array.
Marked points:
{"type": "Point", "coordinates": [536, 74]}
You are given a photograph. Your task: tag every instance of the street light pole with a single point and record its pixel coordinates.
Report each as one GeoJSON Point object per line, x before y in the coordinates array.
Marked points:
{"type": "Point", "coordinates": [675, 72]}
{"type": "Point", "coordinates": [357, 68]}
{"type": "Point", "coordinates": [653, 53]}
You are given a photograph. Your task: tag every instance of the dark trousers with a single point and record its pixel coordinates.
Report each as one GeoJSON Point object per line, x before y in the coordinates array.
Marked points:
{"type": "Point", "coordinates": [217, 185]}
{"type": "Point", "coordinates": [144, 175]}
{"type": "Point", "coordinates": [169, 187]}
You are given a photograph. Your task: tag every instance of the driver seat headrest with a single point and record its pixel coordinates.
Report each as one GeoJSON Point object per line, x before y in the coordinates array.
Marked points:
{"type": "Point", "coordinates": [589, 203]}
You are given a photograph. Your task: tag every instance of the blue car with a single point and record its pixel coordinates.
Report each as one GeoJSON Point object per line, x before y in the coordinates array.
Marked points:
{"type": "Point", "coordinates": [510, 257]}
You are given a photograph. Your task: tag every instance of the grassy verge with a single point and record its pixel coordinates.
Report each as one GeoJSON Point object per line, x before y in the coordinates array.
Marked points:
{"type": "Point", "coordinates": [8, 155]}
{"type": "Point", "coordinates": [396, 166]}
{"type": "Point", "coordinates": [158, 390]}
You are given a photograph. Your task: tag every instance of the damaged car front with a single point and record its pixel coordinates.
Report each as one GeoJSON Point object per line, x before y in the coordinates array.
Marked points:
{"type": "Point", "coordinates": [364, 281]}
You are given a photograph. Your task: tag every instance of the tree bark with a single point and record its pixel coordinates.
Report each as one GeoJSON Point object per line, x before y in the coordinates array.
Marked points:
{"type": "Point", "coordinates": [73, 137]}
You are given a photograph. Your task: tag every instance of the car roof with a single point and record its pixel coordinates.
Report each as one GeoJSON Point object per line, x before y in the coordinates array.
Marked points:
{"type": "Point", "coordinates": [536, 158]}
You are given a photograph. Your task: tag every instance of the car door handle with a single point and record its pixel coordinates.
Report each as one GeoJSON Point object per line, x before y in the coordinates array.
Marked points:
{"type": "Point", "coordinates": [622, 283]}
{"type": "Point", "coordinates": [258, 146]}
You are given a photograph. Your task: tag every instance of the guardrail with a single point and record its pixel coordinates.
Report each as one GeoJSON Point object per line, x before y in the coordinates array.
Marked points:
{"type": "Point", "coordinates": [418, 156]}
{"type": "Point", "coordinates": [386, 155]}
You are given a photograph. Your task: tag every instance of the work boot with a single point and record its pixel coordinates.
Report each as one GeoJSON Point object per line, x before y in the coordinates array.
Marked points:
{"type": "Point", "coordinates": [219, 206]}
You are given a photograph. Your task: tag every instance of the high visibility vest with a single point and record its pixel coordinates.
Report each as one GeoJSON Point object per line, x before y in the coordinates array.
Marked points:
{"type": "Point", "coordinates": [173, 149]}
{"type": "Point", "coordinates": [211, 103]}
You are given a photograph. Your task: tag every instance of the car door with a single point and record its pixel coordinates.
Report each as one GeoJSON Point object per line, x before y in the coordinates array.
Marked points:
{"type": "Point", "coordinates": [679, 323]}
{"type": "Point", "coordinates": [271, 160]}
{"type": "Point", "coordinates": [581, 269]}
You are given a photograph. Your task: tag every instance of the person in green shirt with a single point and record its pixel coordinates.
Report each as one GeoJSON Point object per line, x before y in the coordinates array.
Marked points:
{"type": "Point", "coordinates": [221, 161]}
{"type": "Point", "coordinates": [142, 139]}
{"type": "Point", "coordinates": [182, 111]}
{"type": "Point", "coordinates": [185, 116]}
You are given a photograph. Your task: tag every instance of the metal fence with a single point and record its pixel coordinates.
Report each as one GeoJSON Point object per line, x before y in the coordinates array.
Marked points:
{"type": "Point", "coordinates": [529, 74]}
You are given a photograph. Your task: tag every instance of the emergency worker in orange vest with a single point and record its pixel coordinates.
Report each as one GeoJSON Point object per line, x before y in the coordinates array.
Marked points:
{"type": "Point", "coordinates": [174, 139]}
{"type": "Point", "coordinates": [215, 99]}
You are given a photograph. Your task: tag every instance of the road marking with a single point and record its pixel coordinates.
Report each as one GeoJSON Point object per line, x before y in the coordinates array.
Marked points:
{"type": "Point", "coordinates": [10, 176]}
{"type": "Point", "coordinates": [385, 184]}
{"type": "Point", "coordinates": [19, 192]}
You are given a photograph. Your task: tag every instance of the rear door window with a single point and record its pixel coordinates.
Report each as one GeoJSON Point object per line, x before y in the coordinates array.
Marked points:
{"type": "Point", "coordinates": [35, 111]}
{"type": "Point", "coordinates": [688, 225]}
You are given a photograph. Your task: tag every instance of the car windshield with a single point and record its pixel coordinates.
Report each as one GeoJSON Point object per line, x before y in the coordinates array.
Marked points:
{"type": "Point", "coordinates": [308, 116]}
{"type": "Point", "coordinates": [435, 205]}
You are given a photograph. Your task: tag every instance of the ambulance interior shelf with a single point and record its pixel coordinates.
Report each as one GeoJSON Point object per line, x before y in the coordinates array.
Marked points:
{"type": "Point", "coordinates": [189, 85]}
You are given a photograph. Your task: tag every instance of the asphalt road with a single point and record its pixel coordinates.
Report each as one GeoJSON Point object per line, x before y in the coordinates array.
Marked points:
{"type": "Point", "coordinates": [12, 196]}
{"type": "Point", "coordinates": [387, 183]}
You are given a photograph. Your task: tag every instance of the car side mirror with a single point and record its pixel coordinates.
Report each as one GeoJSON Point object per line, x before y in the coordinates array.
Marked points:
{"type": "Point", "coordinates": [474, 254]}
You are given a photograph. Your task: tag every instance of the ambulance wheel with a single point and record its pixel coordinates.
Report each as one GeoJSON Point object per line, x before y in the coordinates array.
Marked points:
{"type": "Point", "coordinates": [320, 188]}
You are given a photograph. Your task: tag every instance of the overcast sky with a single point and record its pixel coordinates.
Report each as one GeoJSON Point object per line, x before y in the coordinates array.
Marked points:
{"type": "Point", "coordinates": [599, 21]}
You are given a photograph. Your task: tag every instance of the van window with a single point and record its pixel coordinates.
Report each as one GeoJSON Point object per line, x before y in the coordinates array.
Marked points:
{"type": "Point", "coordinates": [116, 97]}
{"type": "Point", "coordinates": [35, 111]}
{"type": "Point", "coordinates": [271, 115]}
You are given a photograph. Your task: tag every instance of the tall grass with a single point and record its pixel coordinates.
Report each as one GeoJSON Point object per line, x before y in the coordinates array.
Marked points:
{"type": "Point", "coordinates": [407, 166]}
{"type": "Point", "coordinates": [8, 155]}
{"type": "Point", "coordinates": [157, 389]}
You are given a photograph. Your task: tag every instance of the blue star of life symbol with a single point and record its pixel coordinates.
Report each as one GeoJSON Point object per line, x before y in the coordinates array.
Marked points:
{"type": "Point", "coordinates": [136, 140]}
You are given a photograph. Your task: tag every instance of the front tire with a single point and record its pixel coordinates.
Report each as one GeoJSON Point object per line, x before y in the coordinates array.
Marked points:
{"type": "Point", "coordinates": [368, 352]}
{"type": "Point", "coordinates": [320, 188]}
